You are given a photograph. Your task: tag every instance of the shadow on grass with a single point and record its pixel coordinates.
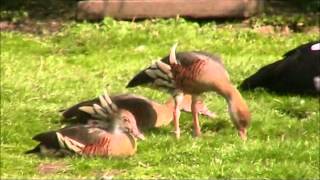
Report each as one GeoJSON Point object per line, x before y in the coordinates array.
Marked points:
{"type": "Point", "coordinates": [215, 126]}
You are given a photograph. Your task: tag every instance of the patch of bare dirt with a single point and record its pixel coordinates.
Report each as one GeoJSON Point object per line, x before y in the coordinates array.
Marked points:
{"type": "Point", "coordinates": [33, 26]}
{"type": "Point", "coordinates": [49, 168]}
{"type": "Point", "coordinates": [284, 30]}
{"type": "Point", "coordinates": [268, 29]}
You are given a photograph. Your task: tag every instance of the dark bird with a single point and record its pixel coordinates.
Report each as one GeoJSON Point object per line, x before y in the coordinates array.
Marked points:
{"type": "Point", "coordinates": [148, 113]}
{"type": "Point", "coordinates": [295, 73]}
{"type": "Point", "coordinates": [194, 73]}
{"type": "Point", "coordinates": [112, 132]}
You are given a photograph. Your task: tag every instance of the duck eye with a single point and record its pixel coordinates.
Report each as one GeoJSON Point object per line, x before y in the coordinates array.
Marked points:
{"type": "Point", "coordinates": [125, 119]}
{"type": "Point", "coordinates": [129, 130]}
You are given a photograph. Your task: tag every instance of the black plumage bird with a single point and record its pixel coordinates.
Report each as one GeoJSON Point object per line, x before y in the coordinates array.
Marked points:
{"type": "Point", "coordinates": [295, 73]}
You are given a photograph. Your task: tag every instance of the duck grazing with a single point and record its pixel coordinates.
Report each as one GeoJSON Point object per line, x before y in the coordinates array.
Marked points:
{"type": "Point", "coordinates": [295, 73]}
{"type": "Point", "coordinates": [194, 73]}
{"type": "Point", "coordinates": [148, 113]}
{"type": "Point", "coordinates": [111, 133]}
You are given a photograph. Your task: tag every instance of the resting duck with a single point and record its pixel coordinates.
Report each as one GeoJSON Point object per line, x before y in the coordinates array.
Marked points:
{"type": "Point", "coordinates": [112, 132]}
{"type": "Point", "coordinates": [295, 73]}
{"type": "Point", "coordinates": [194, 73]}
{"type": "Point", "coordinates": [148, 113]}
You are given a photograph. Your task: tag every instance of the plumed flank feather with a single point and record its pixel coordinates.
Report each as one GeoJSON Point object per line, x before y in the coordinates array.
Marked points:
{"type": "Point", "coordinates": [160, 74]}
{"type": "Point", "coordinates": [73, 112]}
{"type": "Point", "coordinates": [172, 57]}
{"type": "Point", "coordinates": [89, 139]}
{"type": "Point", "coordinates": [94, 111]}
{"type": "Point", "coordinates": [69, 143]}
{"type": "Point", "coordinates": [160, 82]}
{"type": "Point", "coordinates": [81, 114]}
{"type": "Point", "coordinates": [109, 102]}
{"type": "Point", "coordinates": [105, 104]}
{"type": "Point", "coordinates": [106, 111]}
{"type": "Point", "coordinates": [158, 70]}
{"type": "Point", "coordinates": [87, 109]}
{"type": "Point", "coordinates": [107, 108]}
{"type": "Point", "coordinates": [149, 75]}
{"type": "Point", "coordinates": [140, 78]}
{"type": "Point", "coordinates": [99, 110]}
{"type": "Point", "coordinates": [164, 68]}
{"type": "Point", "coordinates": [157, 73]}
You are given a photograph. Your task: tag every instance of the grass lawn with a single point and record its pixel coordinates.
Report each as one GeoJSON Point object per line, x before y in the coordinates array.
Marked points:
{"type": "Point", "coordinates": [42, 74]}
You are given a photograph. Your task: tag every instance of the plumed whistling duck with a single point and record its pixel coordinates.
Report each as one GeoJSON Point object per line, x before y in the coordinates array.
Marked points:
{"type": "Point", "coordinates": [194, 73]}
{"type": "Point", "coordinates": [148, 113]}
{"type": "Point", "coordinates": [110, 133]}
{"type": "Point", "coordinates": [295, 73]}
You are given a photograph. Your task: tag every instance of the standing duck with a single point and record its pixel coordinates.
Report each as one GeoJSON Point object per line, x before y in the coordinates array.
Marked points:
{"type": "Point", "coordinates": [148, 113]}
{"type": "Point", "coordinates": [295, 73]}
{"type": "Point", "coordinates": [110, 133]}
{"type": "Point", "coordinates": [194, 73]}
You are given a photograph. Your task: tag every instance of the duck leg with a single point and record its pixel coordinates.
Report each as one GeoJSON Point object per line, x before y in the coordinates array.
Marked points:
{"type": "Point", "coordinates": [243, 133]}
{"type": "Point", "coordinates": [178, 99]}
{"type": "Point", "coordinates": [195, 111]}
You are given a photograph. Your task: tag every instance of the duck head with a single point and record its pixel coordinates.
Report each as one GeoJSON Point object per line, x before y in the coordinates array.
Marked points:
{"type": "Point", "coordinates": [118, 120]}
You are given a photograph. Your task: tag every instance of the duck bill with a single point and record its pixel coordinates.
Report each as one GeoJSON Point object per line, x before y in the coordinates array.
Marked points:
{"type": "Point", "coordinates": [140, 136]}
{"type": "Point", "coordinates": [137, 134]}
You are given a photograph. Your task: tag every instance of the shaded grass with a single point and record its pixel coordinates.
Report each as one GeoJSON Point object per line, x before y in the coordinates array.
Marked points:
{"type": "Point", "coordinates": [42, 74]}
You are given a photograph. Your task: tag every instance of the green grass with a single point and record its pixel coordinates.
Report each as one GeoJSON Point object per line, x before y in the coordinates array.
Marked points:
{"type": "Point", "coordinates": [42, 74]}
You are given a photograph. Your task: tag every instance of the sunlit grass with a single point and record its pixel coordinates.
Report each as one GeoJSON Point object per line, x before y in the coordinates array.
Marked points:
{"type": "Point", "coordinates": [40, 75]}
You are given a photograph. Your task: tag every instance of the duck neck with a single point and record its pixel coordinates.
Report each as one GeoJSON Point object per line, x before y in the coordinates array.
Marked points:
{"type": "Point", "coordinates": [113, 125]}
{"type": "Point", "coordinates": [234, 97]}
{"type": "Point", "coordinates": [114, 128]}
{"type": "Point", "coordinates": [234, 100]}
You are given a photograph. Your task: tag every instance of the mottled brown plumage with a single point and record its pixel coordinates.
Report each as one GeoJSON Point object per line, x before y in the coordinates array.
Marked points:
{"type": "Point", "coordinates": [194, 73]}
{"type": "Point", "coordinates": [147, 113]}
{"type": "Point", "coordinates": [112, 133]}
